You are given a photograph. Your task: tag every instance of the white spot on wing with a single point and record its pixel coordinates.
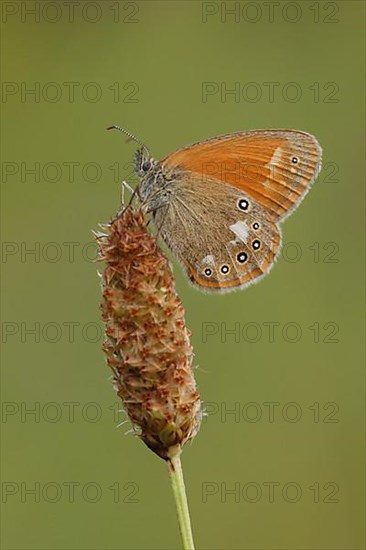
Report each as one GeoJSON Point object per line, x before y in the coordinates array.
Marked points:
{"type": "Point", "coordinates": [276, 157]}
{"type": "Point", "coordinates": [241, 230]}
{"type": "Point", "coordinates": [273, 166]}
{"type": "Point", "coordinates": [210, 260]}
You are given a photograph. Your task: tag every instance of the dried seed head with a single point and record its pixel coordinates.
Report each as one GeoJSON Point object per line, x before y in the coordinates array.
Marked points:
{"type": "Point", "coordinates": [147, 342]}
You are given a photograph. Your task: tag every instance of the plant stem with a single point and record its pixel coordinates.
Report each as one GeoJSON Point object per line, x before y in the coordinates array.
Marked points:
{"type": "Point", "coordinates": [179, 490]}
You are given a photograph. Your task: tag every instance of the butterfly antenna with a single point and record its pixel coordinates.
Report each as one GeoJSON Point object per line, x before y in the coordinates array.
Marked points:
{"type": "Point", "coordinates": [130, 136]}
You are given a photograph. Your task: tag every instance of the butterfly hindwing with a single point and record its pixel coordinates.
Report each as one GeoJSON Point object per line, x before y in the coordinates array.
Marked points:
{"type": "Point", "coordinates": [224, 239]}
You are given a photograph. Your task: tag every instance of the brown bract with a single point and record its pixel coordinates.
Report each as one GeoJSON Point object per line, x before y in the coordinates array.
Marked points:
{"type": "Point", "coordinates": [146, 340]}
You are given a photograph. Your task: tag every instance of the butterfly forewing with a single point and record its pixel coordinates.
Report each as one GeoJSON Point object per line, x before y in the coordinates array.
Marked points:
{"type": "Point", "coordinates": [274, 167]}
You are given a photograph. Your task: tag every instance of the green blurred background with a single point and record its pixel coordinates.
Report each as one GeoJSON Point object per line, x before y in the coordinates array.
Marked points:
{"type": "Point", "coordinates": [292, 450]}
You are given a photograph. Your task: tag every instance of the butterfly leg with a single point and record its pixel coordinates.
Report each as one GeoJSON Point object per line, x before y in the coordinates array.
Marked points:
{"type": "Point", "coordinates": [124, 186]}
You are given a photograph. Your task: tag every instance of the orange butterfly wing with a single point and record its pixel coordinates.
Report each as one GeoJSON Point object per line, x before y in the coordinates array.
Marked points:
{"type": "Point", "coordinates": [275, 167]}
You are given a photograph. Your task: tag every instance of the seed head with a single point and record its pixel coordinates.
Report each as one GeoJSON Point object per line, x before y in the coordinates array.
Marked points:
{"type": "Point", "coordinates": [146, 339]}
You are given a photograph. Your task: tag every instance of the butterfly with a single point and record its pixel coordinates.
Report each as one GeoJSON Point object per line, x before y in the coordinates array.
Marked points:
{"type": "Point", "coordinates": [218, 203]}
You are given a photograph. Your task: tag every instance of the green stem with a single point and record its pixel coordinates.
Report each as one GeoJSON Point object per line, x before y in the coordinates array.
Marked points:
{"type": "Point", "coordinates": [179, 490]}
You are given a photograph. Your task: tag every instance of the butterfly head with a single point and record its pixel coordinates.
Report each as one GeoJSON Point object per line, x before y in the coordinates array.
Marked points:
{"type": "Point", "coordinates": [144, 163]}
{"type": "Point", "coordinates": [151, 179]}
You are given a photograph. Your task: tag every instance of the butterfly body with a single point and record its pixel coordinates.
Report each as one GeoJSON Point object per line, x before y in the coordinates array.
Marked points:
{"type": "Point", "coordinates": [218, 203]}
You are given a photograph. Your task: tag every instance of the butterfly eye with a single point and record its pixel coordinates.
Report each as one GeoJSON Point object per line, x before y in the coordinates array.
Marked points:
{"type": "Point", "coordinates": [255, 226]}
{"type": "Point", "coordinates": [256, 244]}
{"type": "Point", "coordinates": [243, 204]}
{"type": "Point", "coordinates": [242, 257]}
{"type": "Point", "coordinates": [146, 165]}
{"type": "Point", "coordinates": [208, 272]}
{"type": "Point", "coordinates": [224, 269]}
{"type": "Point", "coordinates": [294, 160]}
